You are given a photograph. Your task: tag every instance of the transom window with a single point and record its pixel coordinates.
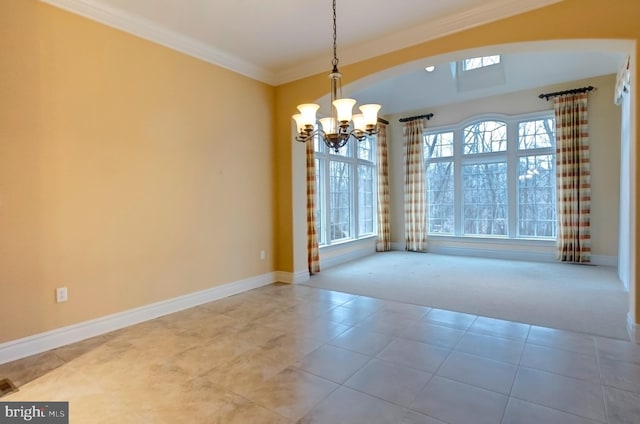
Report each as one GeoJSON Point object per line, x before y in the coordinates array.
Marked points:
{"type": "Point", "coordinates": [346, 191]}
{"type": "Point", "coordinates": [492, 178]}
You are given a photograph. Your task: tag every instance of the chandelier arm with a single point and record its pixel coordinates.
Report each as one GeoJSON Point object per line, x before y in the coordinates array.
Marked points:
{"type": "Point", "coordinates": [343, 135]}
{"type": "Point", "coordinates": [358, 135]}
{"type": "Point", "coordinates": [304, 136]}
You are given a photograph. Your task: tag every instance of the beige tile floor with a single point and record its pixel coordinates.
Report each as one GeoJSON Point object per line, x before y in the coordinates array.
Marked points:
{"type": "Point", "coordinates": [287, 354]}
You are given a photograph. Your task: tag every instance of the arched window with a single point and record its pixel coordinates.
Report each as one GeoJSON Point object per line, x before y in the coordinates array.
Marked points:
{"type": "Point", "coordinates": [492, 178]}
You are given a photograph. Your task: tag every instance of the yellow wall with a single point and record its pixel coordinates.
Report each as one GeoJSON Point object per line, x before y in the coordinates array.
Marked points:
{"type": "Point", "coordinates": [569, 19]}
{"type": "Point", "coordinates": [122, 175]}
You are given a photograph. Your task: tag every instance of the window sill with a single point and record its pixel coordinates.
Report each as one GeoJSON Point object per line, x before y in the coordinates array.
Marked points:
{"type": "Point", "coordinates": [344, 243]}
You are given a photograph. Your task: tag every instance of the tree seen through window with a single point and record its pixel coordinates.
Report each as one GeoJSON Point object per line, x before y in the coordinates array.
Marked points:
{"type": "Point", "coordinates": [470, 175]}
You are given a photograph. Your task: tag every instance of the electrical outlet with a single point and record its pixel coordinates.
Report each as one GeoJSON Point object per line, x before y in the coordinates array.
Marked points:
{"type": "Point", "coordinates": [263, 254]}
{"type": "Point", "coordinates": [61, 294]}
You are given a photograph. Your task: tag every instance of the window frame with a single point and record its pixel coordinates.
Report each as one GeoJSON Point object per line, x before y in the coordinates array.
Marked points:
{"type": "Point", "coordinates": [323, 158]}
{"type": "Point", "coordinates": [485, 62]}
{"type": "Point", "coordinates": [511, 156]}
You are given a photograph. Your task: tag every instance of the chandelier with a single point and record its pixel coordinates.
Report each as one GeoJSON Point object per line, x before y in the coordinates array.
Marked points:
{"type": "Point", "coordinates": [342, 124]}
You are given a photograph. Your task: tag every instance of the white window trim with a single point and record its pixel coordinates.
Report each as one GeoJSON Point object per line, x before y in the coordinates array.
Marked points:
{"type": "Point", "coordinates": [326, 156]}
{"type": "Point", "coordinates": [511, 156]}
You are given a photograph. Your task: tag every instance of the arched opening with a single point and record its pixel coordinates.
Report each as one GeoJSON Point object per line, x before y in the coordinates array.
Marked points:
{"type": "Point", "coordinates": [403, 91]}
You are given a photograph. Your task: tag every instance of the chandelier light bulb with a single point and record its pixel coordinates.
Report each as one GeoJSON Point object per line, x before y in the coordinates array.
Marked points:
{"type": "Point", "coordinates": [299, 122]}
{"type": "Point", "coordinates": [370, 113]}
{"type": "Point", "coordinates": [308, 112]}
{"type": "Point", "coordinates": [344, 109]}
{"type": "Point", "coordinates": [328, 125]}
{"type": "Point", "coordinates": [358, 122]}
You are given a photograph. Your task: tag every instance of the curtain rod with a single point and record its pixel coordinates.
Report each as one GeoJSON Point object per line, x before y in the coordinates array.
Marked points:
{"type": "Point", "coordinates": [415, 118]}
{"type": "Point", "coordinates": [560, 93]}
{"type": "Point", "coordinates": [383, 121]}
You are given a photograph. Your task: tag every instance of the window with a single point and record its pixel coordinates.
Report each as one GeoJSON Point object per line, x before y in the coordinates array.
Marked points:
{"type": "Point", "coordinates": [346, 203]}
{"type": "Point", "coordinates": [439, 169]}
{"type": "Point", "coordinates": [484, 194]}
{"type": "Point", "coordinates": [480, 62]}
{"type": "Point", "coordinates": [536, 179]}
{"type": "Point", "coordinates": [493, 178]}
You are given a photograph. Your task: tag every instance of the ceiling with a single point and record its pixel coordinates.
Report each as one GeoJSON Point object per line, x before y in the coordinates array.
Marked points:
{"type": "Point", "coordinates": [411, 88]}
{"type": "Point", "coordinates": [283, 40]}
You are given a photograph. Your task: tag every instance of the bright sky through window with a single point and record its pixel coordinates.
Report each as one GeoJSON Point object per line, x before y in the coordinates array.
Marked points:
{"type": "Point", "coordinates": [480, 62]}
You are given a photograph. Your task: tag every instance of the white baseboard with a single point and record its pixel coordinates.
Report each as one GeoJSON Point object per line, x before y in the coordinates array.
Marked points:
{"type": "Point", "coordinates": [284, 277]}
{"type": "Point", "coordinates": [292, 277]}
{"type": "Point", "coordinates": [300, 276]}
{"type": "Point", "coordinates": [506, 253]}
{"type": "Point", "coordinates": [398, 246]}
{"type": "Point", "coordinates": [602, 260]}
{"type": "Point", "coordinates": [514, 255]}
{"type": "Point", "coordinates": [632, 329]}
{"type": "Point", "coordinates": [42, 342]}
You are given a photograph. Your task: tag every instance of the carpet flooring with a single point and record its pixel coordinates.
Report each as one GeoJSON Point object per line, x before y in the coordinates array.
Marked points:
{"type": "Point", "coordinates": [583, 298]}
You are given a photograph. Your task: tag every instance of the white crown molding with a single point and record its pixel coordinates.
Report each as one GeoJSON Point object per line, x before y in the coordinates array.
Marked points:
{"type": "Point", "coordinates": [488, 12]}
{"type": "Point", "coordinates": [21, 348]}
{"type": "Point", "coordinates": [155, 33]}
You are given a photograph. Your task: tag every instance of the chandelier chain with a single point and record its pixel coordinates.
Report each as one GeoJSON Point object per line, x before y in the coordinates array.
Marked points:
{"type": "Point", "coordinates": [335, 43]}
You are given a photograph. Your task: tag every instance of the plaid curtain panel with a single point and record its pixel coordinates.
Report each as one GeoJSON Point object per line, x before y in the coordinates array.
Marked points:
{"type": "Point", "coordinates": [383, 244]}
{"type": "Point", "coordinates": [313, 254]}
{"type": "Point", "coordinates": [573, 178]}
{"type": "Point", "coordinates": [415, 196]}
